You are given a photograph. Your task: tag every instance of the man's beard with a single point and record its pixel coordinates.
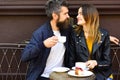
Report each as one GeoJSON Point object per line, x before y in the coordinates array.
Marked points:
{"type": "Point", "coordinates": [63, 24]}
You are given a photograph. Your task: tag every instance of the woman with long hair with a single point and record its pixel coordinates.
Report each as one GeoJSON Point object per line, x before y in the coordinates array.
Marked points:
{"type": "Point", "coordinates": [91, 43]}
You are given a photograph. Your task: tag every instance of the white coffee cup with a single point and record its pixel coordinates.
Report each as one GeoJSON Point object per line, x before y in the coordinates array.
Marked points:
{"type": "Point", "coordinates": [81, 65]}
{"type": "Point", "coordinates": [62, 39]}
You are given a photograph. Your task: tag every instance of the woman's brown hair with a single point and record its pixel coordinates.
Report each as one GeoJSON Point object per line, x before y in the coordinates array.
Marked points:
{"type": "Point", "coordinates": [91, 17]}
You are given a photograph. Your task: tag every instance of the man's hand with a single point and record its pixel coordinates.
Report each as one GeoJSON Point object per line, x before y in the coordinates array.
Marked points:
{"type": "Point", "coordinates": [114, 40]}
{"type": "Point", "coordinates": [51, 41]}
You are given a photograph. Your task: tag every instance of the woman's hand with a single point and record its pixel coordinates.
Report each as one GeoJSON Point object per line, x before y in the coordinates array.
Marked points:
{"type": "Point", "coordinates": [91, 64]}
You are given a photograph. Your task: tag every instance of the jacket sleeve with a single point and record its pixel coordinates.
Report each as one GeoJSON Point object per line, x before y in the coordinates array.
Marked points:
{"type": "Point", "coordinates": [34, 48]}
{"type": "Point", "coordinates": [105, 60]}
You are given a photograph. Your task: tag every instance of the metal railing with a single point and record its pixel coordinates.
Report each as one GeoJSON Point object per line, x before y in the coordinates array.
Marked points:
{"type": "Point", "coordinates": [115, 53]}
{"type": "Point", "coordinates": [11, 67]}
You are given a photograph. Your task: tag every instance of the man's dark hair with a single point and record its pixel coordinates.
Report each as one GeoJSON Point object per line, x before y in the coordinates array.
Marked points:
{"type": "Point", "coordinates": [54, 6]}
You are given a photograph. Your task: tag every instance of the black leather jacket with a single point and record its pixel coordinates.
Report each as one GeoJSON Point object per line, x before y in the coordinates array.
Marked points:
{"type": "Point", "coordinates": [100, 53]}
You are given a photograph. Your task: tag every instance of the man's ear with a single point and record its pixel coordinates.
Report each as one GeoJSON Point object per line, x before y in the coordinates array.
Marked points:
{"type": "Point", "coordinates": [55, 16]}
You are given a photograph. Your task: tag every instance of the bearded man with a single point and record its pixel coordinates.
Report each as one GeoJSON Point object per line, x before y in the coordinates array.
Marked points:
{"type": "Point", "coordinates": [45, 51]}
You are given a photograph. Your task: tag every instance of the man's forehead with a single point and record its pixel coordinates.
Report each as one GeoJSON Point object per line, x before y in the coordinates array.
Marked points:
{"type": "Point", "coordinates": [64, 9]}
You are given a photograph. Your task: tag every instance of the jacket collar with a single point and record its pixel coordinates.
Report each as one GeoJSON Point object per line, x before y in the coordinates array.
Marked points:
{"type": "Point", "coordinates": [95, 45]}
{"type": "Point", "coordinates": [81, 39]}
{"type": "Point", "coordinates": [49, 28]}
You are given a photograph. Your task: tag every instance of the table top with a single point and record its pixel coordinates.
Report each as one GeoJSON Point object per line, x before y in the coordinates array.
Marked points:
{"type": "Point", "coordinates": [65, 76]}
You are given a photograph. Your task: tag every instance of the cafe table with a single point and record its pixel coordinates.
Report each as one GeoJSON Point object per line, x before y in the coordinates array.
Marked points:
{"type": "Point", "coordinates": [65, 76]}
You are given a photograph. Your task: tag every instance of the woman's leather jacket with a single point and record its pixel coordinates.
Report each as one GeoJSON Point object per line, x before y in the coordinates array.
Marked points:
{"type": "Point", "coordinates": [101, 53]}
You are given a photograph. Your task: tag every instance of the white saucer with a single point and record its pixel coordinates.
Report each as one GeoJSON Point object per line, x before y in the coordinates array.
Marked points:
{"type": "Point", "coordinates": [84, 74]}
{"type": "Point", "coordinates": [60, 69]}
